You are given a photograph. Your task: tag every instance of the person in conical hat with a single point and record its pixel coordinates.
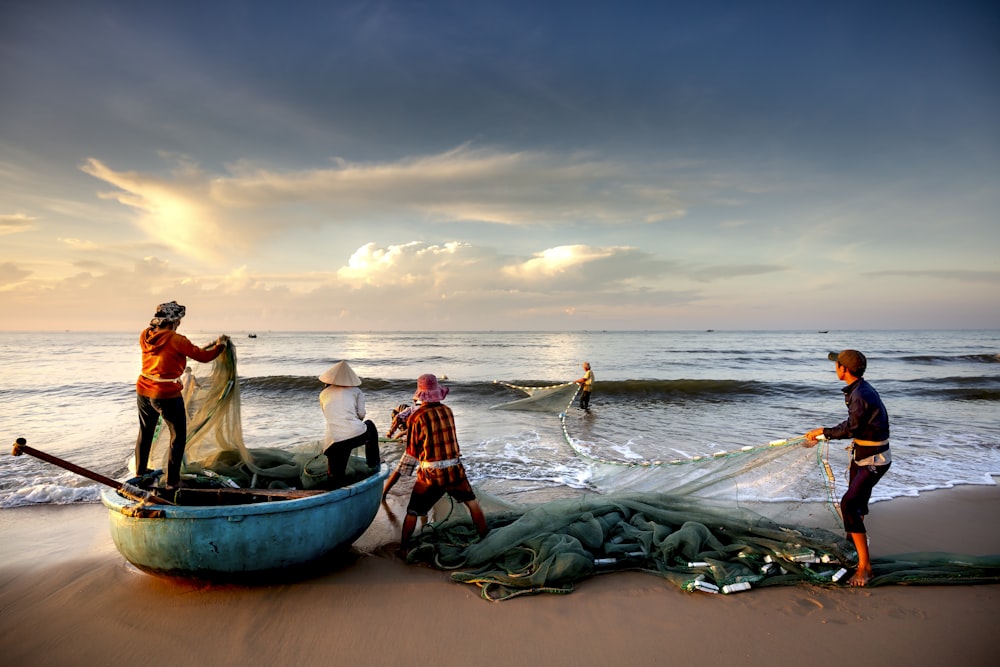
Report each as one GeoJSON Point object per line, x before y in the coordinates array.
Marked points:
{"type": "Point", "coordinates": [343, 406]}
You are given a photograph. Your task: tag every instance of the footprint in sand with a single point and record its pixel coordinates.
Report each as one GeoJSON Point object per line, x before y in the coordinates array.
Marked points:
{"type": "Point", "coordinates": [907, 614]}
{"type": "Point", "coordinates": [810, 604]}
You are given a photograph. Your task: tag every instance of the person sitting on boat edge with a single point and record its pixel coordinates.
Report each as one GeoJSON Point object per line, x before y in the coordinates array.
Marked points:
{"type": "Point", "coordinates": [432, 441]}
{"type": "Point", "coordinates": [343, 406]}
{"type": "Point", "coordinates": [159, 389]}
{"type": "Point", "coordinates": [867, 424]}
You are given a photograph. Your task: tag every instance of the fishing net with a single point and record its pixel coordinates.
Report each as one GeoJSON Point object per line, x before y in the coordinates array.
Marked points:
{"type": "Point", "coordinates": [759, 516]}
{"type": "Point", "coordinates": [553, 398]}
{"type": "Point", "coordinates": [697, 544]}
{"type": "Point", "coordinates": [215, 446]}
{"type": "Point", "coordinates": [780, 479]}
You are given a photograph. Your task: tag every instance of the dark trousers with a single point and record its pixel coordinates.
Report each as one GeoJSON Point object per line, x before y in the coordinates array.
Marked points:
{"type": "Point", "coordinates": [175, 417]}
{"type": "Point", "coordinates": [585, 400]}
{"type": "Point", "coordinates": [338, 453]}
{"type": "Point", "coordinates": [854, 504]}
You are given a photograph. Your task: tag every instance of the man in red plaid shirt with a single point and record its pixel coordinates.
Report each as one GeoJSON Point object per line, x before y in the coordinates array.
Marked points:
{"type": "Point", "coordinates": [432, 442]}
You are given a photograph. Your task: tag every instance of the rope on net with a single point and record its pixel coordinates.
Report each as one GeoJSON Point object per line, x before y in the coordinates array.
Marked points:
{"type": "Point", "coordinates": [822, 458]}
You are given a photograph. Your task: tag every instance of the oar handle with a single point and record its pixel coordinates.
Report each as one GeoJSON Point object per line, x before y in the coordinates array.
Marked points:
{"type": "Point", "coordinates": [21, 447]}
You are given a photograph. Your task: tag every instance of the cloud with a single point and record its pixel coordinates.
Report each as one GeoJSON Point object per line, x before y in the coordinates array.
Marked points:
{"type": "Point", "coordinates": [411, 263]}
{"type": "Point", "coordinates": [958, 275]}
{"type": "Point", "coordinates": [411, 285]}
{"type": "Point", "coordinates": [467, 286]}
{"type": "Point", "coordinates": [555, 261]}
{"type": "Point", "coordinates": [11, 275]}
{"type": "Point", "coordinates": [214, 215]}
{"type": "Point", "coordinates": [79, 244]}
{"type": "Point", "coordinates": [12, 223]}
{"type": "Point", "coordinates": [572, 267]}
{"type": "Point", "coordinates": [177, 211]}
{"type": "Point", "coordinates": [457, 267]}
{"type": "Point", "coordinates": [711, 273]}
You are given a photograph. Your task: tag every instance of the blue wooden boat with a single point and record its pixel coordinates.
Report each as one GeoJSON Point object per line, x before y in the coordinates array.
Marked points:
{"type": "Point", "coordinates": [213, 541]}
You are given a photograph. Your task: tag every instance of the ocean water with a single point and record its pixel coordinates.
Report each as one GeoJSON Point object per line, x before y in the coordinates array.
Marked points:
{"type": "Point", "coordinates": [657, 396]}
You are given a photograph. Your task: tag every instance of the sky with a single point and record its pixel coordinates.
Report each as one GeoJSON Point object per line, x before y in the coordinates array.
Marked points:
{"type": "Point", "coordinates": [475, 165]}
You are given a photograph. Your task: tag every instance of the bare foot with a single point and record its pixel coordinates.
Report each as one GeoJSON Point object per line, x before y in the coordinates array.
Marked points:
{"type": "Point", "coordinates": [861, 578]}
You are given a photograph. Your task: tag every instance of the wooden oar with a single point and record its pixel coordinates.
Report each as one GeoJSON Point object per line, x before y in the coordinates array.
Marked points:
{"type": "Point", "coordinates": [21, 447]}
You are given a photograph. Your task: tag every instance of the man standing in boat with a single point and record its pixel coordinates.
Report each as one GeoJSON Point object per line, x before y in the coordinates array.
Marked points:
{"type": "Point", "coordinates": [159, 389]}
{"type": "Point", "coordinates": [433, 442]}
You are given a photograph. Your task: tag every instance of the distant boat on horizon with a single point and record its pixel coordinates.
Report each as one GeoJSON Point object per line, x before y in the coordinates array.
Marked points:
{"type": "Point", "coordinates": [252, 335]}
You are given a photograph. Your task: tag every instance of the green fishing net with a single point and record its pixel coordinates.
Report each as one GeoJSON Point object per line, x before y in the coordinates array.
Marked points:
{"type": "Point", "coordinates": [698, 545]}
{"type": "Point", "coordinates": [759, 516]}
{"type": "Point", "coordinates": [215, 446]}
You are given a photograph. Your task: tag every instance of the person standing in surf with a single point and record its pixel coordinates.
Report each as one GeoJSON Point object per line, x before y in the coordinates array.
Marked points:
{"type": "Point", "coordinates": [868, 424]}
{"type": "Point", "coordinates": [586, 385]}
{"type": "Point", "coordinates": [159, 389]}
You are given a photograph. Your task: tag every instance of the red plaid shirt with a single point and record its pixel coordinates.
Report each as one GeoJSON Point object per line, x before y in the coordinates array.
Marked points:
{"type": "Point", "coordinates": [431, 436]}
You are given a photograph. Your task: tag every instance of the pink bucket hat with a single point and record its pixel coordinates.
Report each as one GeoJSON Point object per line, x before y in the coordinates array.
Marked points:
{"type": "Point", "coordinates": [428, 389]}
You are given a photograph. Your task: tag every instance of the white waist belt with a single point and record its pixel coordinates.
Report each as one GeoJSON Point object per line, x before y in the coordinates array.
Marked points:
{"type": "Point", "coordinates": [435, 465]}
{"type": "Point", "coordinates": [159, 379]}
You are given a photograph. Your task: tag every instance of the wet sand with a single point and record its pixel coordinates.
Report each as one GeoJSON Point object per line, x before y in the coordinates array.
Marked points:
{"type": "Point", "coordinates": [67, 596]}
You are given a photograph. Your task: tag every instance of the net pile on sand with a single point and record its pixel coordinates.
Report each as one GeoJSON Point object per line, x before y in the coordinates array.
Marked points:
{"type": "Point", "coordinates": [698, 545]}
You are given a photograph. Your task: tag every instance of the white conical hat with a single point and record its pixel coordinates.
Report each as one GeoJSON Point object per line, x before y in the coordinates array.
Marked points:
{"type": "Point", "coordinates": [341, 375]}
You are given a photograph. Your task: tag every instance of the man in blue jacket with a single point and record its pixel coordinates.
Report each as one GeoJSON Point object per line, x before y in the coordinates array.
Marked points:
{"type": "Point", "coordinates": [867, 424]}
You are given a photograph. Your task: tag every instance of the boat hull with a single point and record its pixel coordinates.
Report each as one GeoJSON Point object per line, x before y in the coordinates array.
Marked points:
{"type": "Point", "coordinates": [228, 541]}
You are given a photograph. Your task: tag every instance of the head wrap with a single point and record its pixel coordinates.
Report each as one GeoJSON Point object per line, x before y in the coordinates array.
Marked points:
{"type": "Point", "coordinates": [167, 313]}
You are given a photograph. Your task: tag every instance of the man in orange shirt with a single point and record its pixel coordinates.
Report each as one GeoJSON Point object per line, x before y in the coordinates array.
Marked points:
{"type": "Point", "coordinates": [159, 388]}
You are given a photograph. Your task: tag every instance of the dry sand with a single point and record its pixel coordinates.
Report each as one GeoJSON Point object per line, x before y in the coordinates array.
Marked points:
{"type": "Point", "coordinates": [67, 597]}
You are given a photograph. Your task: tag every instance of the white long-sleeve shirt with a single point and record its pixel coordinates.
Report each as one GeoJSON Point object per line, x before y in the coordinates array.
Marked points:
{"type": "Point", "coordinates": [344, 410]}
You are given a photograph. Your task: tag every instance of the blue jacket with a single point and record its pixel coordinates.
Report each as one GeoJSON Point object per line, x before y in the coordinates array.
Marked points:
{"type": "Point", "coordinates": [867, 418]}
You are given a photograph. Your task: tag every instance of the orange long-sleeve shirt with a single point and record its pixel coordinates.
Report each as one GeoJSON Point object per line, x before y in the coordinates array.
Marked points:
{"type": "Point", "coordinates": [164, 358]}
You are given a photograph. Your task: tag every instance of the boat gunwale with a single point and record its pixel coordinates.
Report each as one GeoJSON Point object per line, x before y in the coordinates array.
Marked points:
{"type": "Point", "coordinates": [113, 500]}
